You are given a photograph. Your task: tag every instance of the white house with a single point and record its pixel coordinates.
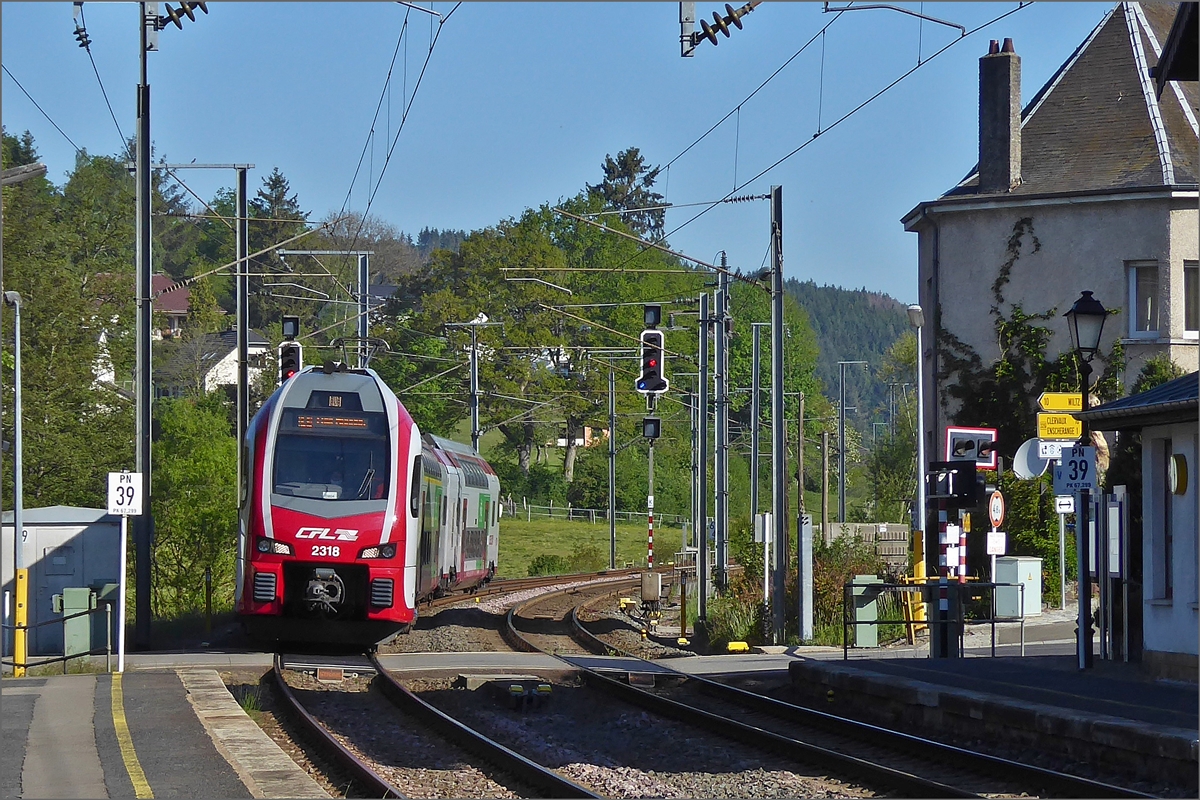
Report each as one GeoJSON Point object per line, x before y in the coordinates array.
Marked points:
{"type": "Point", "coordinates": [209, 362]}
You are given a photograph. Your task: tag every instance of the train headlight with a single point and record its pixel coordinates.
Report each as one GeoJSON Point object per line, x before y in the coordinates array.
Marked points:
{"type": "Point", "coordinates": [379, 551]}
{"type": "Point", "coordinates": [264, 545]}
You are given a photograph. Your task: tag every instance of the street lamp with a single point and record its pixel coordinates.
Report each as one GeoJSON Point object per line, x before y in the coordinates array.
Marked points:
{"type": "Point", "coordinates": [20, 572]}
{"type": "Point", "coordinates": [916, 318]}
{"type": "Point", "coordinates": [1085, 322]}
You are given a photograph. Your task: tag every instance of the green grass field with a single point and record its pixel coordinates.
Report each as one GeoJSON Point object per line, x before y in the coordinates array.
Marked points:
{"type": "Point", "coordinates": [522, 541]}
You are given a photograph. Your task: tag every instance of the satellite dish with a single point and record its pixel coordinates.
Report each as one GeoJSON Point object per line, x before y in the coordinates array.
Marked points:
{"type": "Point", "coordinates": [1027, 463]}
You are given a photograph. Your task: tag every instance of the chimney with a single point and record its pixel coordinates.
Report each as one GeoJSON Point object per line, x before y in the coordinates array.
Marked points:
{"type": "Point", "coordinates": [999, 119]}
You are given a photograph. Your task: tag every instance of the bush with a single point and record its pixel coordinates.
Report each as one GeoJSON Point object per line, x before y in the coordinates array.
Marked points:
{"type": "Point", "coordinates": [834, 566]}
{"type": "Point", "coordinates": [736, 615]}
{"type": "Point", "coordinates": [547, 564]}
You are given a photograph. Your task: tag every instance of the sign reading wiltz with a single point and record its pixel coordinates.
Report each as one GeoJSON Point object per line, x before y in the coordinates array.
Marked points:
{"type": "Point", "coordinates": [340, 535]}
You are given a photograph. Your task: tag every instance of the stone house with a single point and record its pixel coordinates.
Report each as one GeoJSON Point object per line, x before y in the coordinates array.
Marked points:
{"type": "Point", "coordinates": [1092, 185]}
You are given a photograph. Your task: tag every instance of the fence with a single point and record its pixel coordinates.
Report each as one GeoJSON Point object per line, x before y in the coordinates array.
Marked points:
{"type": "Point", "coordinates": [593, 515]}
{"type": "Point", "coordinates": [864, 598]}
{"type": "Point", "coordinates": [41, 660]}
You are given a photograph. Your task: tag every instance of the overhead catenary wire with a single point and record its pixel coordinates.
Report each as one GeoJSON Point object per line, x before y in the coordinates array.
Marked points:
{"type": "Point", "coordinates": [39, 108]}
{"type": "Point", "coordinates": [845, 116]}
{"type": "Point", "coordinates": [400, 128]}
{"type": "Point", "coordinates": [88, 47]}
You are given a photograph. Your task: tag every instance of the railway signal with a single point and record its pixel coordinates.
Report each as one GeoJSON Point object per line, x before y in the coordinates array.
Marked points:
{"type": "Point", "coordinates": [291, 359]}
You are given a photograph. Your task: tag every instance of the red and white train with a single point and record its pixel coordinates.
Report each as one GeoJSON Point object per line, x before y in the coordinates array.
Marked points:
{"type": "Point", "coordinates": [349, 517]}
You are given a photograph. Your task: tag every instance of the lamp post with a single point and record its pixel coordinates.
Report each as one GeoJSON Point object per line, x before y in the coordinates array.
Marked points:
{"type": "Point", "coordinates": [1085, 322]}
{"type": "Point", "coordinates": [20, 572]}
{"type": "Point", "coordinates": [916, 318]}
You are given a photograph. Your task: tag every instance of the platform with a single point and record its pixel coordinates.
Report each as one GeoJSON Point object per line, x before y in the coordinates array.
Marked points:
{"type": "Point", "coordinates": [156, 733]}
{"type": "Point", "coordinates": [1111, 714]}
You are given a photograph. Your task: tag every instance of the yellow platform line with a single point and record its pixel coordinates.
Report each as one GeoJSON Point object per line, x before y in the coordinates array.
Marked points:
{"type": "Point", "coordinates": [137, 777]}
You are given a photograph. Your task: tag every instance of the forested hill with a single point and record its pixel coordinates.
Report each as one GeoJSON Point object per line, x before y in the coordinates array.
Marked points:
{"type": "Point", "coordinates": [851, 325]}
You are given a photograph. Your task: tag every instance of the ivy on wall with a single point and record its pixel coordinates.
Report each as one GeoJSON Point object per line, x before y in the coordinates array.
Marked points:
{"type": "Point", "coordinates": [1003, 395]}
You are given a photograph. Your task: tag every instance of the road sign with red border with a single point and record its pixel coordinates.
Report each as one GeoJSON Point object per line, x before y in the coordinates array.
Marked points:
{"type": "Point", "coordinates": [996, 510]}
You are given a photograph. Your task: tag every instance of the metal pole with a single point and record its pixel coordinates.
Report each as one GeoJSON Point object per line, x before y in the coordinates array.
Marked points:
{"type": "Point", "coordinates": [1062, 561]}
{"type": "Point", "coordinates": [242, 317]}
{"type": "Point", "coordinates": [124, 585]}
{"type": "Point", "coordinates": [826, 530]}
{"type": "Point", "coordinates": [804, 569]}
{"type": "Point", "coordinates": [20, 571]}
{"type": "Point", "coordinates": [1083, 537]}
{"type": "Point", "coordinates": [778, 427]}
{"type": "Point", "coordinates": [754, 424]}
{"type": "Point", "coordinates": [721, 467]}
{"type": "Point", "coordinates": [364, 307]}
{"type": "Point", "coordinates": [922, 489]}
{"type": "Point", "coordinates": [702, 469]}
{"type": "Point", "coordinates": [650, 510]}
{"type": "Point", "coordinates": [612, 468]}
{"type": "Point", "coordinates": [474, 392]}
{"type": "Point", "coordinates": [144, 525]}
{"type": "Point", "coordinates": [690, 540]}
{"type": "Point", "coordinates": [842, 442]}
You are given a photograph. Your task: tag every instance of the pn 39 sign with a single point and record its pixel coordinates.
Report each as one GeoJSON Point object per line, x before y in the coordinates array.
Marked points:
{"type": "Point", "coordinates": [125, 493]}
{"type": "Point", "coordinates": [1076, 471]}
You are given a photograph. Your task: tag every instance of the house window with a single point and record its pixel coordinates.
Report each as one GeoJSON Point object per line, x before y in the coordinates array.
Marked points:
{"type": "Point", "coordinates": [1143, 299]}
{"type": "Point", "coordinates": [1191, 299]}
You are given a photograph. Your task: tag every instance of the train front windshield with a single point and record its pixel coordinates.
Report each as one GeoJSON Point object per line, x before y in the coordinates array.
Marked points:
{"type": "Point", "coordinates": [332, 457]}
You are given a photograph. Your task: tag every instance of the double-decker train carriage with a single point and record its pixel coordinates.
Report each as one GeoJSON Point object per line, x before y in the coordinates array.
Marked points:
{"type": "Point", "coordinates": [349, 518]}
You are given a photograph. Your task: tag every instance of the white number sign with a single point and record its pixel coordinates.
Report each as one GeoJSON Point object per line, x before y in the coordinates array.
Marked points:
{"type": "Point", "coordinates": [1076, 472]}
{"type": "Point", "coordinates": [125, 493]}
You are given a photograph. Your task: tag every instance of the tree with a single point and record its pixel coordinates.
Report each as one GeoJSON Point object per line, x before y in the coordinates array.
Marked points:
{"type": "Point", "coordinates": [628, 184]}
{"type": "Point", "coordinates": [195, 506]}
{"type": "Point", "coordinates": [891, 463]}
{"type": "Point", "coordinates": [75, 429]}
{"type": "Point", "coordinates": [275, 216]}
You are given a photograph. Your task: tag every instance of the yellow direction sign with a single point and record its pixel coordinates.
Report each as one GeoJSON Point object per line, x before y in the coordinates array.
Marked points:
{"type": "Point", "coordinates": [1060, 401]}
{"type": "Point", "coordinates": [1059, 426]}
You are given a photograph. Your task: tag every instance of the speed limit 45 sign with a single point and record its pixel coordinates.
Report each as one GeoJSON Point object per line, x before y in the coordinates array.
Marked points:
{"type": "Point", "coordinates": [125, 493]}
{"type": "Point", "coordinates": [1076, 471]}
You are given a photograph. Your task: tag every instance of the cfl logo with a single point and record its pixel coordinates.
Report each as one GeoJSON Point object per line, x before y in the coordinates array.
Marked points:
{"type": "Point", "coordinates": [340, 535]}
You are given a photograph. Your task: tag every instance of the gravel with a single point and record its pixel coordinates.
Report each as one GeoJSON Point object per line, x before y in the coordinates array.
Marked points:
{"type": "Point", "coordinates": [624, 752]}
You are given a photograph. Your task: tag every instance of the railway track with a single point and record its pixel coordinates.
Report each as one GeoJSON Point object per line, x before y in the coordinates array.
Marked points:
{"type": "Point", "coordinates": [531, 778]}
{"type": "Point", "coordinates": [887, 759]}
{"type": "Point", "coordinates": [372, 783]}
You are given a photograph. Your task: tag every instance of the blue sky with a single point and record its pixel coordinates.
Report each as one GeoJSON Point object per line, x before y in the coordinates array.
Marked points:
{"type": "Point", "coordinates": [520, 103]}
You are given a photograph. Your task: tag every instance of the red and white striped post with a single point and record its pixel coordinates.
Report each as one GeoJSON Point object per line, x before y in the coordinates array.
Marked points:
{"type": "Point", "coordinates": [650, 511]}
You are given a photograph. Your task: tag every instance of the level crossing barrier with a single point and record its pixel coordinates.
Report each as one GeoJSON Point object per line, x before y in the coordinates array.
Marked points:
{"type": "Point", "coordinates": [863, 598]}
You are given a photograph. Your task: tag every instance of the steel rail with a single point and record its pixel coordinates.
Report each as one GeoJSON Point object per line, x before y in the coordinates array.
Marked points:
{"type": "Point", "coordinates": [373, 784]}
{"type": "Point", "coordinates": [542, 778]}
{"type": "Point", "coordinates": [1059, 784]}
{"type": "Point", "coordinates": [737, 731]}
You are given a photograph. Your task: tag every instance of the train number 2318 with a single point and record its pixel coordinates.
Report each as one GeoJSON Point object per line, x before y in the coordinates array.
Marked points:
{"type": "Point", "coordinates": [326, 550]}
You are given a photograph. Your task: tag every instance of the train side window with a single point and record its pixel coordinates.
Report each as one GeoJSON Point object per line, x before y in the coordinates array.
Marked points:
{"type": "Point", "coordinates": [443, 520]}
{"type": "Point", "coordinates": [414, 499]}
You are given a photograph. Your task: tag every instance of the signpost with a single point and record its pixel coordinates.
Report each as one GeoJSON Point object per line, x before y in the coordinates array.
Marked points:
{"type": "Point", "coordinates": [1060, 401]}
{"type": "Point", "coordinates": [996, 540]}
{"type": "Point", "coordinates": [1076, 472]}
{"type": "Point", "coordinates": [1051, 449]}
{"type": "Point", "coordinates": [1058, 426]}
{"type": "Point", "coordinates": [124, 500]}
